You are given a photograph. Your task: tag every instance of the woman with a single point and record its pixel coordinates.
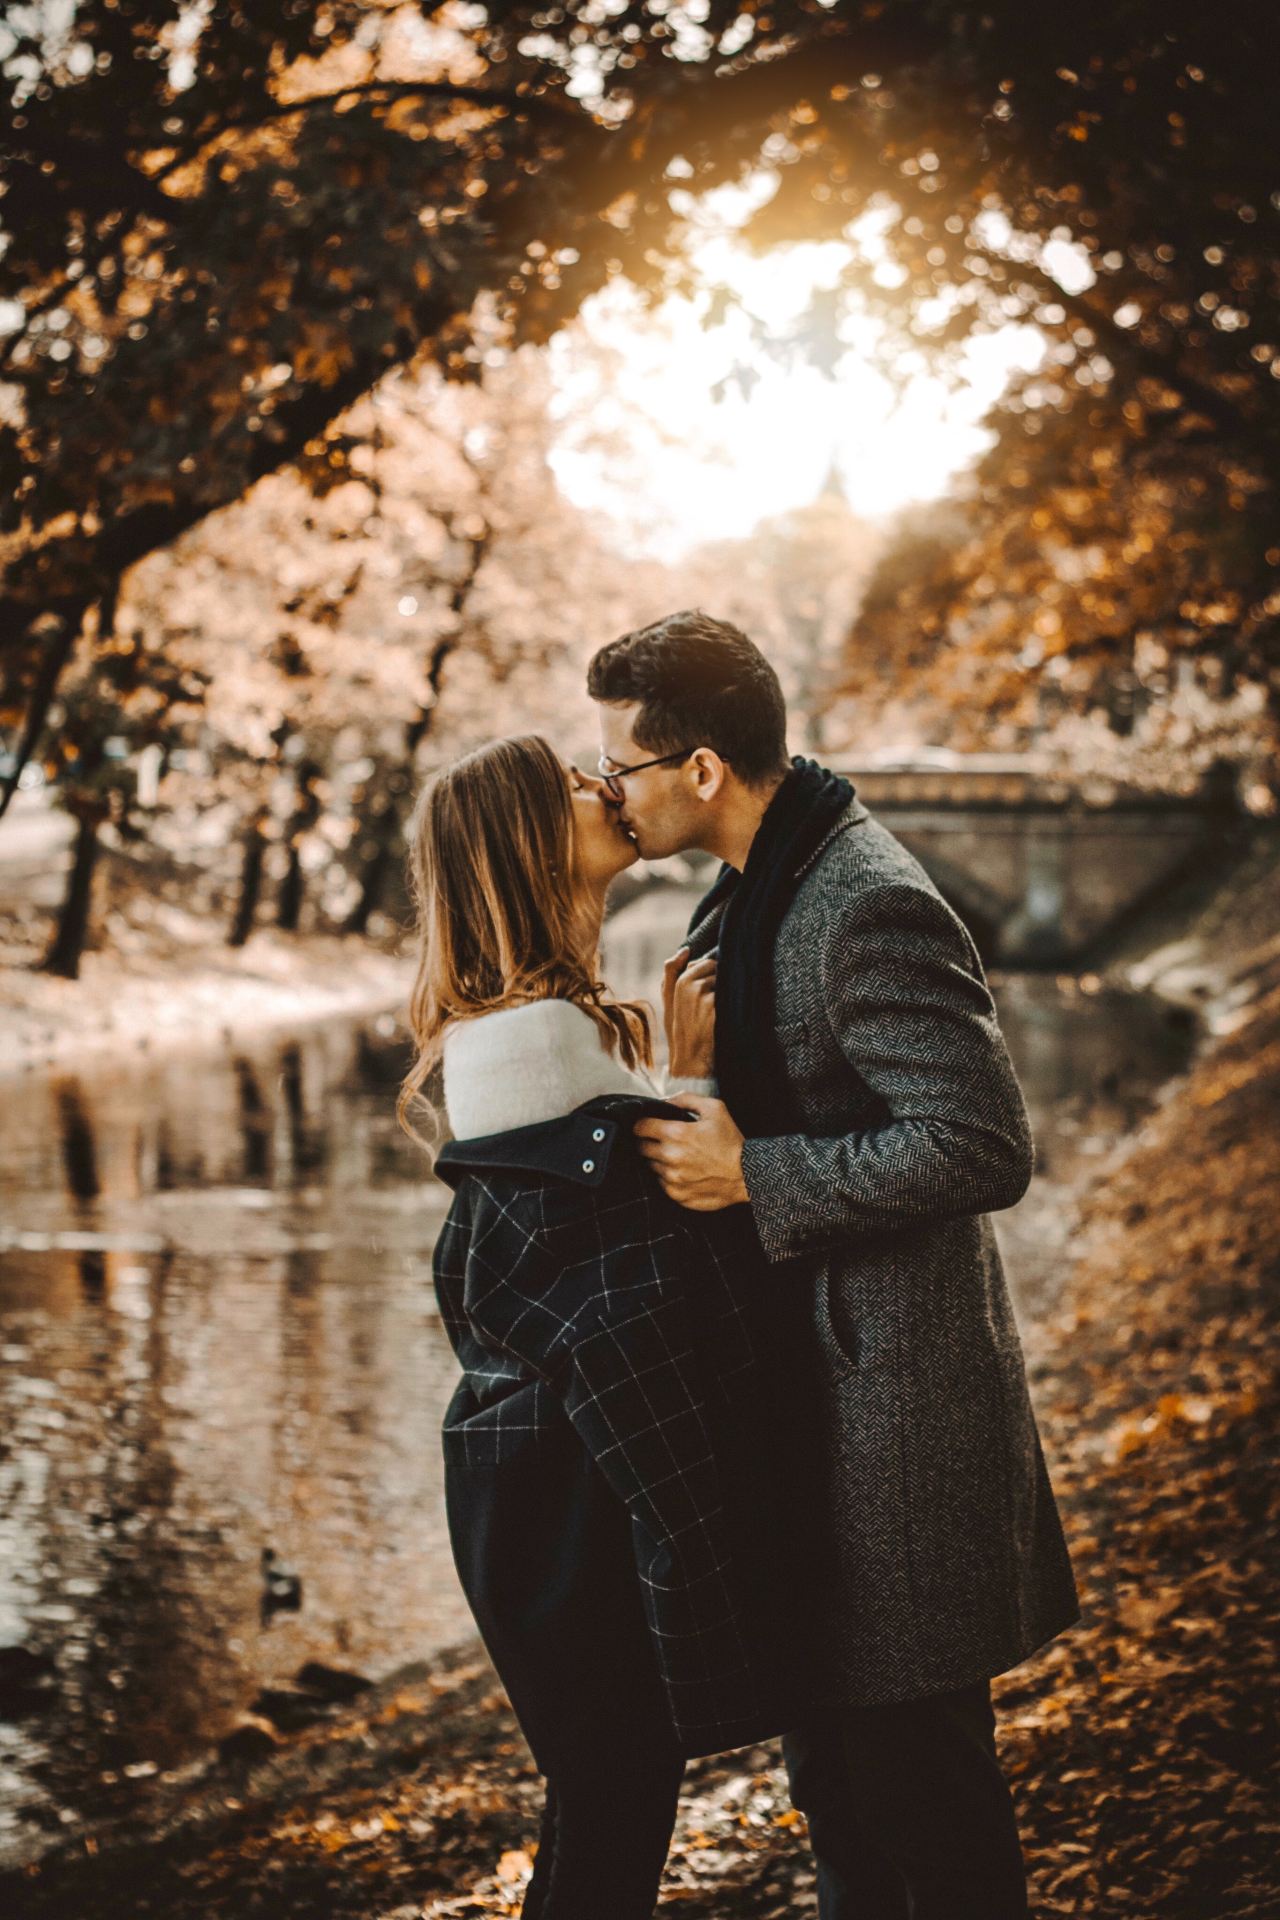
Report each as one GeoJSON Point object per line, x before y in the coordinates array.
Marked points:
{"type": "Point", "coordinates": [616, 1462]}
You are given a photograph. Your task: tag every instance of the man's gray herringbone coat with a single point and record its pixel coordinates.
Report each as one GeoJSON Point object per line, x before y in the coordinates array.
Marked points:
{"type": "Point", "coordinates": [948, 1559]}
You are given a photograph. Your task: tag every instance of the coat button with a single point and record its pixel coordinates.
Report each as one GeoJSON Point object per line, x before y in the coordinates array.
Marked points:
{"type": "Point", "coordinates": [598, 1134]}
{"type": "Point", "coordinates": [588, 1166]}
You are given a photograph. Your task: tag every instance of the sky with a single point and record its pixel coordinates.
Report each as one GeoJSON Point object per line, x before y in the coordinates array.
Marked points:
{"type": "Point", "coordinates": [648, 435]}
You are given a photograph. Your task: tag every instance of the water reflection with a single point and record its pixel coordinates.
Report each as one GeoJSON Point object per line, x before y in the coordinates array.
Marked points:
{"type": "Point", "coordinates": [1087, 1056]}
{"type": "Point", "coordinates": [217, 1334]}
{"type": "Point", "coordinates": [93, 1273]}
{"type": "Point", "coordinates": [306, 1138]}
{"type": "Point", "coordinates": [76, 1134]}
{"type": "Point", "coordinates": [255, 1122]}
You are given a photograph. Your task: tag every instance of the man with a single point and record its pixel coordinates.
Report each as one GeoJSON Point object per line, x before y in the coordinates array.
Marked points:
{"type": "Point", "coordinates": [870, 1119]}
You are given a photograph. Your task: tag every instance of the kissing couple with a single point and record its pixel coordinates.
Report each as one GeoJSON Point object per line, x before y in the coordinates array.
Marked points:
{"type": "Point", "coordinates": [742, 1445]}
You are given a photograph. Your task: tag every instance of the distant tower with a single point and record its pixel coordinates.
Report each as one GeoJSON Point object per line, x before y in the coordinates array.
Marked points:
{"type": "Point", "coordinates": [833, 487]}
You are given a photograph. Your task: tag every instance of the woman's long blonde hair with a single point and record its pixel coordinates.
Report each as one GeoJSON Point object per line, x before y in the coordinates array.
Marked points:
{"type": "Point", "coordinates": [501, 916]}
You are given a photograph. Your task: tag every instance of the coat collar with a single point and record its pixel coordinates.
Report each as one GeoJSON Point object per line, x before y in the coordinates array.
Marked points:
{"type": "Point", "coordinates": [574, 1146]}
{"type": "Point", "coordinates": [703, 933]}
{"type": "Point", "coordinates": [853, 816]}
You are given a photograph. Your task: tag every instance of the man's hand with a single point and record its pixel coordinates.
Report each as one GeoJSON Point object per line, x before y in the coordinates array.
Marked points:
{"type": "Point", "coordinates": [699, 1162]}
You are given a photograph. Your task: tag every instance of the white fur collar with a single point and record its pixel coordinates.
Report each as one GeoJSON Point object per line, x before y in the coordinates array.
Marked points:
{"type": "Point", "coordinates": [525, 1064]}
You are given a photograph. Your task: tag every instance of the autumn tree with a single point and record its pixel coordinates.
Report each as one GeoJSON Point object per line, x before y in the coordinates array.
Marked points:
{"type": "Point", "coordinates": [1083, 603]}
{"type": "Point", "coordinates": [223, 226]}
{"type": "Point", "coordinates": [357, 625]}
{"type": "Point", "coordinates": [123, 702]}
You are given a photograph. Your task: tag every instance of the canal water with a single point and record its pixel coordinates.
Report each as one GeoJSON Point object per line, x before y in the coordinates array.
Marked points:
{"type": "Point", "coordinates": [217, 1335]}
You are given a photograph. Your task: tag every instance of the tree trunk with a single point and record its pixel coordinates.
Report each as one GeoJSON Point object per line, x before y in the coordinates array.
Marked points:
{"type": "Point", "coordinates": [57, 653]}
{"type": "Point", "coordinates": [386, 827]}
{"type": "Point", "coordinates": [255, 848]}
{"type": "Point", "coordinates": [63, 957]}
{"type": "Point", "coordinates": [384, 832]}
{"type": "Point", "coordinates": [289, 900]}
{"type": "Point", "coordinates": [375, 880]}
{"type": "Point", "coordinates": [305, 815]}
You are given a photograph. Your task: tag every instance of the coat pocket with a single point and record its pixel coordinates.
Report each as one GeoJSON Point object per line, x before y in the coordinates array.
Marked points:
{"type": "Point", "coordinates": [837, 1328]}
{"type": "Point", "coordinates": [792, 1030]}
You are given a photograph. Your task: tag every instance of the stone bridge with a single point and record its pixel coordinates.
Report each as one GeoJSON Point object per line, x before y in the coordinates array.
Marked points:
{"type": "Point", "coordinates": [1041, 866]}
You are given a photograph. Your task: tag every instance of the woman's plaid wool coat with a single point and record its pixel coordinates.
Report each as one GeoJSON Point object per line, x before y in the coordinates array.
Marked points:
{"type": "Point", "coordinates": [615, 1435]}
{"type": "Point", "coordinates": [947, 1562]}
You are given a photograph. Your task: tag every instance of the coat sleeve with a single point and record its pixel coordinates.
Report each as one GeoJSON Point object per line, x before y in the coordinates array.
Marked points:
{"type": "Point", "coordinates": [604, 1318]}
{"type": "Point", "coordinates": [903, 992]}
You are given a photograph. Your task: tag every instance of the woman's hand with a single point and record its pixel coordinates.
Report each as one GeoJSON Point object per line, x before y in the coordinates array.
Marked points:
{"type": "Point", "coordinates": [689, 1015]}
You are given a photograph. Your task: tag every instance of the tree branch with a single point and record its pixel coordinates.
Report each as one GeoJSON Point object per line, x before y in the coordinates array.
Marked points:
{"type": "Point", "coordinates": [388, 90]}
{"type": "Point", "coordinates": [1128, 345]}
{"type": "Point", "coordinates": [124, 542]}
{"type": "Point", "coordinates": [383, 92]}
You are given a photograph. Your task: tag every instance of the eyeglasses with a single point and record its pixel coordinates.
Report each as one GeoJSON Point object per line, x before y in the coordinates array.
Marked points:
{"type": "Point", "coordinates": [612, 776]}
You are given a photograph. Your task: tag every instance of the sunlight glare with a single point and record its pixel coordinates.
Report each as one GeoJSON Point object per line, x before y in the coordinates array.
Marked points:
{"type": "Point", "coordinates": [694, 419]}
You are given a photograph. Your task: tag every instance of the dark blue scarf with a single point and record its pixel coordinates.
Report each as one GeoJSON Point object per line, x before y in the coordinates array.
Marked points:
{"type": "Point", "coordinates": [749, 1066]}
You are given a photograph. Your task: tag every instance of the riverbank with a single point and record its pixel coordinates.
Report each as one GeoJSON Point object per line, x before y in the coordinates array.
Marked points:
{"type": "Point", "coordinates": [1137, 1744]}
{"type": "Point", "coordinates": [1210, 942]}
{"type": "Point", "coordinates": [182, 992]}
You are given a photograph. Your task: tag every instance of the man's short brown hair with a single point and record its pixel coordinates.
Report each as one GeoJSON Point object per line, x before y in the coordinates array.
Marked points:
{"type": "Point", "coordinates": [700, 683]}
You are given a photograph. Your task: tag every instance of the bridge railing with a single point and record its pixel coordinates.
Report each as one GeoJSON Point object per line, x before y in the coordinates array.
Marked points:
{"type": "Point", "coordinates": [1006, 784]}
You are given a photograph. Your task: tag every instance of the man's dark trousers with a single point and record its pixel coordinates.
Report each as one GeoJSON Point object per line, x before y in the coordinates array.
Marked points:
{"type": "Point", "coordinates": [910, 1817]}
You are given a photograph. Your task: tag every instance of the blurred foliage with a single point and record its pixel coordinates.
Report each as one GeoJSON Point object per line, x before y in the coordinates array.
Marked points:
{"type": "Point", "coordinates": [223, 224]}
{"type": "Point", "coordinates": [1089, 603]}
{"type": "Point", "coordinates": [440, 591]}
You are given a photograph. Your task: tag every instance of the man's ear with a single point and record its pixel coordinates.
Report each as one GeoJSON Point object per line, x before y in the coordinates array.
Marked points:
{"type": "Point", "coordinates": [710, 773]}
